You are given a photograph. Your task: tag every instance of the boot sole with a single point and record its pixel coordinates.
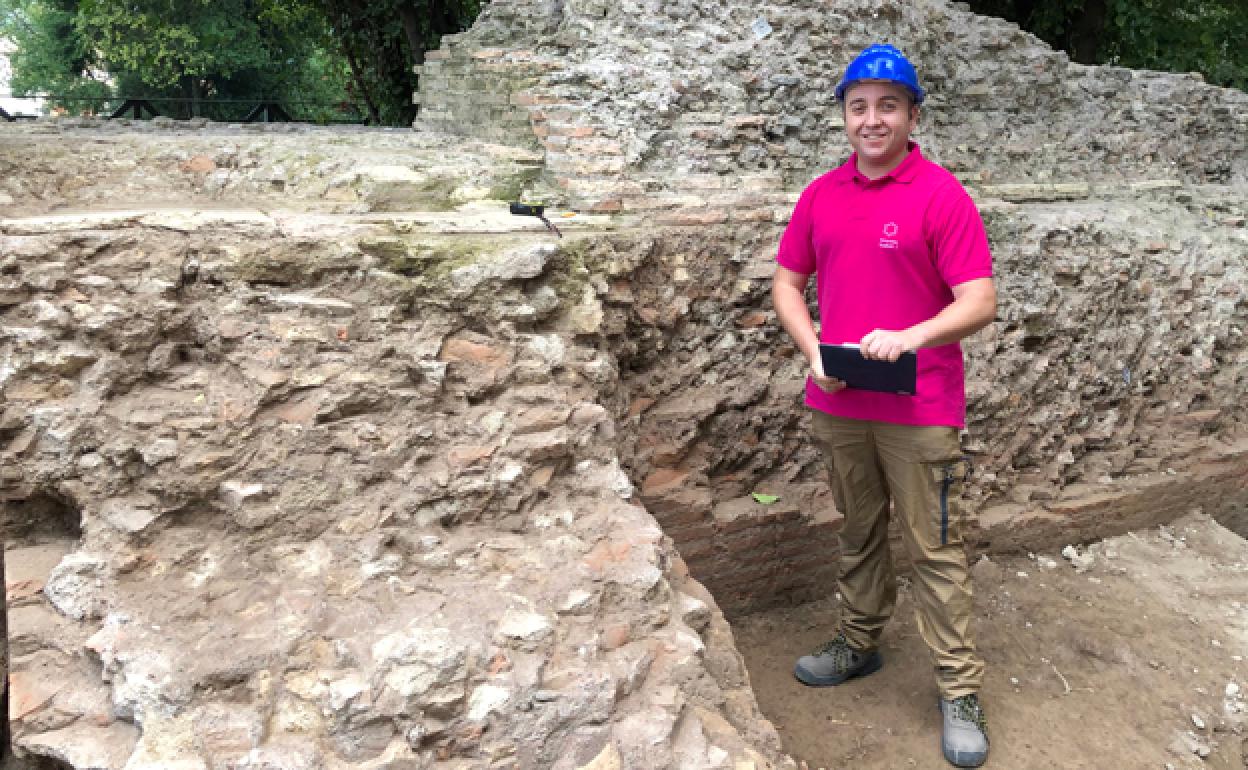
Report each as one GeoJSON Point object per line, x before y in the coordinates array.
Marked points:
{"type": "Point", "coordinates": [965, 758]}
{"type": "Point", "coordinates": [869, 666]}
{"type": "Point", "coordinates": [961, 758]}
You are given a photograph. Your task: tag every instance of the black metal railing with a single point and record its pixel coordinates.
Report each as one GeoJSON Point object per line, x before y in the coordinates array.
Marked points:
{"type": "Point", "coordinates": [256, 110]}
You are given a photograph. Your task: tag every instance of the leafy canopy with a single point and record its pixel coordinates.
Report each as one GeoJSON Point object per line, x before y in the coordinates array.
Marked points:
{"type": "Point", "coordinates": [291, 51]}
{"type": "Point", "coordinates": [1205, 36]}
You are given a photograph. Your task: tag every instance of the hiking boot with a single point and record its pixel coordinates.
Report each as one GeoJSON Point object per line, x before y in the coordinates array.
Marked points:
{"type": "Point", "coordinates": [834, 663]}
{"type": "Point", "coordinates": [964, 738]}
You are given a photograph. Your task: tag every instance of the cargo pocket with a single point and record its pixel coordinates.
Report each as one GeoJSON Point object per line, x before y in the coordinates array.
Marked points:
{"type": "Point", "coordinates": [948, 476]}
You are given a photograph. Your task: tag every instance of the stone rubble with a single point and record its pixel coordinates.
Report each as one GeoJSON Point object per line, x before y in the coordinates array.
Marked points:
{"type": "Point", "coordinates": [1113, 199]}
{"type": "Point", "coordinates": [275, 499]}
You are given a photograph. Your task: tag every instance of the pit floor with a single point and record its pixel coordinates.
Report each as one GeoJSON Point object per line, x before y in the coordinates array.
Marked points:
{"type": "Point", "coordinates": [1119, 666]}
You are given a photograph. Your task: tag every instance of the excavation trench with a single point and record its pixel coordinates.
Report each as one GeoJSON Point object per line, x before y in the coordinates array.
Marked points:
{"type": "Point", "coordinates": [709, 414]}
{"type": "Point", "coordinates": [713, 431]}
{"type": "Point", "coordinates": [38, 522]}
{"type": "Point", "coordinates": [667, 336]}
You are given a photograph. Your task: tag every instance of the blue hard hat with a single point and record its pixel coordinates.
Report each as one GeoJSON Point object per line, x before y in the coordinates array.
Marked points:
{"type": "Point", "coordinates": [882, 62]}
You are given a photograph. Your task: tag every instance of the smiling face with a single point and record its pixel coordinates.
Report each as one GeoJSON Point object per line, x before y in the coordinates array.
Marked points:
{"type": "Point", "coordinates": [879, 118]}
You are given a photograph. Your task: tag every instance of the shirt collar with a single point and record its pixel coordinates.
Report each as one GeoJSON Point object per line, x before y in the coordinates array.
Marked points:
{"type": "Point", "coordinates": [905, 172]}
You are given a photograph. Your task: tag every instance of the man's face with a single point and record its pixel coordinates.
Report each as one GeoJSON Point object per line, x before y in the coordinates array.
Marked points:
{"type": "Point", "coordinates": [879, 118]}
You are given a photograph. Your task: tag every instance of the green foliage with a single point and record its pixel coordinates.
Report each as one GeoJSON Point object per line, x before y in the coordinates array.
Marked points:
{"type": "Point", "coordinates": [49, 56]}
{"type": "Point", "coordinates": [190, 56]}
{"type": "Point", "coordinates": [1205, 36]}
{"type": "Point", "coordinates": [168, 41]}
{"type": "Point", "coordinates": [381, 40]}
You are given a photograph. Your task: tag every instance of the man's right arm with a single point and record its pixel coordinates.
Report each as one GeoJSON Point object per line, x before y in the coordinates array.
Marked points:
{"type": "Point", "coordinates": [788, 294]}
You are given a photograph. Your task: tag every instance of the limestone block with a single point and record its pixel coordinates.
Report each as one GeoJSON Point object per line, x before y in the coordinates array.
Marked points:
{"type": "Point", "coordinates": [320, 305]}
{"type": "Point", "coordinates": [421, 659]}
{"type": "Point", "coordinates": [76, 585]}
{"type": "Point", "coordinates": [131, 514]}
{"type": "Point", "coordinates": [524, 629]}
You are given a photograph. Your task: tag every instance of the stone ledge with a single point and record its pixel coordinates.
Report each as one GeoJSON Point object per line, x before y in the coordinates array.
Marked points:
{"type": "Point", "coordinates": [1216, 485]}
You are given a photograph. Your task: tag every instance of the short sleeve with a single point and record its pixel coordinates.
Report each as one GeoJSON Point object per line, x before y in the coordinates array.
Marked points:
{"type": "Point", "coordinates": [797, 248]}
{"type": "Point", "coordinates": [957, 236]}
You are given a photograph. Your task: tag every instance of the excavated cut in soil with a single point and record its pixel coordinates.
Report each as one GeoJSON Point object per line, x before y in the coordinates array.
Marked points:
{"type": "Point", "coordinates": [1136, 661]}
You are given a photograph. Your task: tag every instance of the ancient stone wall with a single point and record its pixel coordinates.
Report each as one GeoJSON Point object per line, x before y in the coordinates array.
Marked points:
{"type": "Point", "coordinates": [1119, 339]}
{"type": "Point", "coordinates": [649, 98]}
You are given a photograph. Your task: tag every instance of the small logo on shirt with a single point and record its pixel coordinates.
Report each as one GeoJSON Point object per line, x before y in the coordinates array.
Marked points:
{"type": "Point", "coordinates": [889, 241]}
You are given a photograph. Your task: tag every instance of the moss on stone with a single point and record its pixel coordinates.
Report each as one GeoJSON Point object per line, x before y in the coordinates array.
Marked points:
{"type": "Point", "coordinates": [287, 263]}
{"type": "Point", "coordinates": [511, 188]}
{"type": "Point", "coordinates": [576, 262]}
{"type": "Point", "coordinates": [434, 193]}
{"type": "Point", "coordinates": [426, 260]}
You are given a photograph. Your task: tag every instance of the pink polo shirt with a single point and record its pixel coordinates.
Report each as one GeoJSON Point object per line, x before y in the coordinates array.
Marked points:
{"type": "Point", "coordinates": [884, 253]}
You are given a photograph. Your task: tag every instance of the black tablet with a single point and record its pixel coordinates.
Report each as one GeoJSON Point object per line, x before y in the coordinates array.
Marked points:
{"type": "Point", "coordinates": [846, 363]}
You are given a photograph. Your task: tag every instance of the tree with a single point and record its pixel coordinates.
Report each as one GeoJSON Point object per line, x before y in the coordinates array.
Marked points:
{"type": "Point", "coordinates": [192, 50]}
{"type": "Point", "coordinates": [50, 56]}
{"type": "Point", "coordinates": [259, 49]}
{"type": "Point", "coordinates": [1205, 36]}
{"type": "Point", "coordinates": [200, 50]}
{"type": "Point", "coordinates": [382, 40]}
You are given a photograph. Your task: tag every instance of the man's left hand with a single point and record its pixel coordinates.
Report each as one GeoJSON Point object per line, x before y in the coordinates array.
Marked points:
{"type": "Point", "coordinates": [885, 345]}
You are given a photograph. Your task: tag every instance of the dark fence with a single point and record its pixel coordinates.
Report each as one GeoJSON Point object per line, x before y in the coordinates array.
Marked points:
{"type": "Point", "coordinates": [221, 110]}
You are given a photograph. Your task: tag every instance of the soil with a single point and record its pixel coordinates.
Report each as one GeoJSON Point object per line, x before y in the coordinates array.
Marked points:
{"type": "Point", "coordinates": [1124, 665]}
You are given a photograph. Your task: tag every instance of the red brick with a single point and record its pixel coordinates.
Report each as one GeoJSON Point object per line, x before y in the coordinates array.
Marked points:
{"type": "Point", "coordinates": [746, 121]}
{"type": "Point", "coordinates": [608, 206]}
{"type": "Point", "coordinates": [754, 319]}
{"type": "Point", "coordinates": [686, 217]}
{"type": "Point", "coordinates": [465, 351]}
{"type": "Point", "coordinates": [464, 457]}
{"type": "Point", "coordinates": [753, 215]}
{"type": "Point", "coordinates": [664, 480]}
{"type": "Point", "coordinates": [528, 99]}
{"type": "Point", "coordinates": [198, 164]}
{"type": "Point", "coordinates": [615, 636]}
{"type": "Point", "coordinates": [565, 129]}
{"type": "Point", "coordinates": [605, 553]}
{"type": "Point", "coordinates": [28, 694]}
{"type": "Point", "coordinates": [596, 147]}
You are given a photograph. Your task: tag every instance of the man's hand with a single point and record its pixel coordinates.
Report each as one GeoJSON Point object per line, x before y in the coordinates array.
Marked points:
{"type": "Point", "coordinates": [885, 345]}
{"type": "Point", "coordinates": [826, 384]}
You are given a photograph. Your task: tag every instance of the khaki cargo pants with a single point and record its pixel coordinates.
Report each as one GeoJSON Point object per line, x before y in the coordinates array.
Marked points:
{"type": "Point", "coordinates": [919, 469]}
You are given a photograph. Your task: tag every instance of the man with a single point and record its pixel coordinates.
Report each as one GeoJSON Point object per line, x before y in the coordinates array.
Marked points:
{"type": "Point", "coordinates": [902, 264]}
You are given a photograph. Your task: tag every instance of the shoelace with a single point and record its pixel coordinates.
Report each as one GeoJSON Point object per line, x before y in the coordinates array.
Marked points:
{"type": "Point", "coordinates": [967, 709]}
{"type": "Point", "coordinates": [842, 654]}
